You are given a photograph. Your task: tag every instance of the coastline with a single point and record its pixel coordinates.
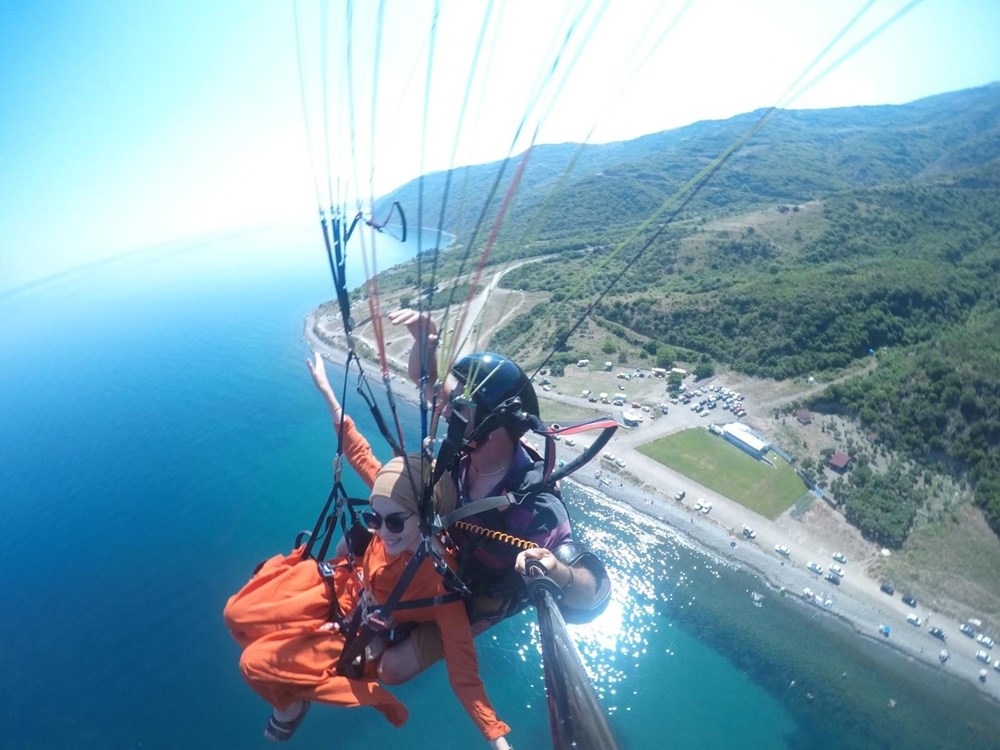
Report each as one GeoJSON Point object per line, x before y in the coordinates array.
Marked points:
{"type": "Point", "coordinates": [861, 614]}
{"type": "Point", "coordinates": [856, 602]}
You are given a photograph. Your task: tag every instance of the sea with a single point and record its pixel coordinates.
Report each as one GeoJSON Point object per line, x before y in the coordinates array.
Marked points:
{"type": "Point", "coordinates": [160, 435]}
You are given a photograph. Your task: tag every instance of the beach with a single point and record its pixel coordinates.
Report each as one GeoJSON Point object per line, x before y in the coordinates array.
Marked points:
{"type": "Point", "coordinates": [650, 488]}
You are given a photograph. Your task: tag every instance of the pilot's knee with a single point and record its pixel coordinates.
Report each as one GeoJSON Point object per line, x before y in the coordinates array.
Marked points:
{"type": "Point", "coordinates": [398, 664]}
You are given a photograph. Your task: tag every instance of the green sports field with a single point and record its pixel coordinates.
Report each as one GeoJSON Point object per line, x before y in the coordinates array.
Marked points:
{"type": "Point", "coordinates": [715, 463]}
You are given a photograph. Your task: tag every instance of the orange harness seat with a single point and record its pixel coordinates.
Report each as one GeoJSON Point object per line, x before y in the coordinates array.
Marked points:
{"type": "Point", "coordinates": [289, 651]}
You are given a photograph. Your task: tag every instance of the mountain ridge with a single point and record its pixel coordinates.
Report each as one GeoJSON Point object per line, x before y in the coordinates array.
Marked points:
{"type": "Point", "coordinates": [831, 235]}
{"type": "Point", "coordinates": [815, 152]}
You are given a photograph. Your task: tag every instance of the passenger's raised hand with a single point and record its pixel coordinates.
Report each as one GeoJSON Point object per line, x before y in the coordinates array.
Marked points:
{"type": "Point", "coordinates": [317, 369]}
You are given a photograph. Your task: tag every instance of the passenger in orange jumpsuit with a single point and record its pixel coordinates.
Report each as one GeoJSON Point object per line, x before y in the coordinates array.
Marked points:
{"type": "Point", "coordinates": [280, 617]}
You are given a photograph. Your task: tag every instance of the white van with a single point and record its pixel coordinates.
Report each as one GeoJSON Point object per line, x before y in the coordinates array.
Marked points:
{"type": "Point", "coordinates": [913, 620]}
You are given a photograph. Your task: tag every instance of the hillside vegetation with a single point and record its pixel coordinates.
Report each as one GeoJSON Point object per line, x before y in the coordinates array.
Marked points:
{"type": "Point", "coordinates": [830, 237]}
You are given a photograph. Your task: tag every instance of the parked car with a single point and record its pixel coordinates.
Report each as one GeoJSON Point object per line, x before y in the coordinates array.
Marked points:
{"type": "Point", "coordinates": [833, 578]}
{"type": "Point", "coordinates": [680, 495]}
{"type": "Point", "coordinates": [817, 569]}
{"type": "Point", "coordinates": [983, 656]}
{"type": "Point", "coordinates": [569, 441]}
{"type": "Point", "coordinates": [840, 557]}
{"type": "Point", "coordinates": [967, 630]}
{"type": "Point", "coordinates": [782, 550]}
{"type": "Point", "coordinates": [749, 533]}
{"type": "Point", "coordinates": [938, 633]}
{"type": "Point", "coordinates": [985, 640]}
{"type": "Point", "coordinates": [913, 620]}
{"type": "Point", "coordinates": [996, 665]}
{"type": "Point", "coordinates": [838, 570]}
{"type": "Point", "coordinates": [619, 463]}
{"type": "Point", "coordinates": [909, 600]}
{"type": "Point", "coordinates": [886, 588]}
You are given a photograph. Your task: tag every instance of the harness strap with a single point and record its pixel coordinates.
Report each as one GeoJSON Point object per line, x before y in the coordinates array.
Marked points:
{"type": "Point", "coordinates": [362, 632]}
{"type": "Point", "coordinates": [335, 614]}
{"type": "Point", "coordinates": [366, 393]}
{"type": "Point", "coordinates": [607, 426]}
{"type": "Point", "coordinates": [446, 458]}
{"type": "Point", "coordinates": [429, 601]}
{"type": "Point", "coordinates": [479, 506]}
{"type": "Point", "coordinates": [347, 517]}
{"type": "Point", "coordinates": [336, 256]}
{"type": "Point", "coordinates": [334, 500]}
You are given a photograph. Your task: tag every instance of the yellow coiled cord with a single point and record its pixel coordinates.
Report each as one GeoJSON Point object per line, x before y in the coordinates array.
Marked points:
{"type": "Point", "coordinates": [498, 535]}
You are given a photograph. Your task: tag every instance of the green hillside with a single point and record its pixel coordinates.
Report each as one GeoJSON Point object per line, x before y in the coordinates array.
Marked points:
{"type": "Point", "coordinates": [829, 235]}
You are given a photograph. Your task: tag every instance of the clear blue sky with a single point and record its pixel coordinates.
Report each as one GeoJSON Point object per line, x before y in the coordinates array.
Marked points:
{"type": "Point", "coordinates": [127, 124]}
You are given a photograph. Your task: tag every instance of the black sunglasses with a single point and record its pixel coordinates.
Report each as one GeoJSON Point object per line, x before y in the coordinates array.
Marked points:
{"type": "Point", "coordinates": [394, 521]}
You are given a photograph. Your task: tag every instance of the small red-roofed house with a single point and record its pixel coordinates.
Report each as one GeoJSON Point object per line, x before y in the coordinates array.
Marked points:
{"type": "Point", "coordinates": [839, 462]}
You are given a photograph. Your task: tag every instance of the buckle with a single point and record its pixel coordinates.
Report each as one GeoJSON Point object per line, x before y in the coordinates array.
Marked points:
{"type": "Point", "coordinates": [376, 620]}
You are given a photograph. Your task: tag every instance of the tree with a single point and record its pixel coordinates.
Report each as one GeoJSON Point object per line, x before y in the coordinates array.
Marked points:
{"type": "Point", "coordinates": [665, 356]}
{"type": "Point", "coordinates": [704, 370]}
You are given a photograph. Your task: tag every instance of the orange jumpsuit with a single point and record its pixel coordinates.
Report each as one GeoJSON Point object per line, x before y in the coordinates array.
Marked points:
{"type": "Point", "coordinates": [278, 616]}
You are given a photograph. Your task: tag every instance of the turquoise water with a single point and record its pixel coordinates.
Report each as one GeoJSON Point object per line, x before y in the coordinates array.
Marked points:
{"type": "Point", "coordinates": [161, 436]}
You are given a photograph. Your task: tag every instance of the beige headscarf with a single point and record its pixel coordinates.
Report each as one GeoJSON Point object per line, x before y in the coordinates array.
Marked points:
{"type": "Point", "coordinates": [401, 479]}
